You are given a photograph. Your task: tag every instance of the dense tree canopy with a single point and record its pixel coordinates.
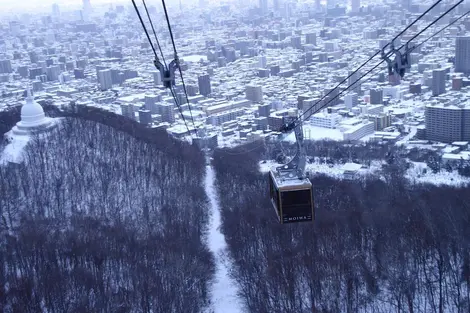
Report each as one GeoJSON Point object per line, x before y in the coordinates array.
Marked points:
{"type": "Point", "coordinates": [97, 220]}
{"type": "Point", "coordinates": [8, 118]}
{"type": "Point", "coordinates": [376, 245]}
{"type": "Point", "coordinates": [108, 215]}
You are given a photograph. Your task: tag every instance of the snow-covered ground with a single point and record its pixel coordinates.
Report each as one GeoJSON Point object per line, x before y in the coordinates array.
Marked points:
{"type": "Point", "coordinates": [421, 173]}
{"type": "Point", "coordinates": [335, 171]}
{"type": "Point", "coordinates": [418, 173]}
{"type": "Point", "coordinates": [13, 151]}
{"type": "Point", "coordinates": [317, 133]}
{"type": "Point", "coordinates": [194, 58]}
{"type": "Point", "coordinates": [411, 134]}
{"type": "Point", "coordinates": [224, 292]}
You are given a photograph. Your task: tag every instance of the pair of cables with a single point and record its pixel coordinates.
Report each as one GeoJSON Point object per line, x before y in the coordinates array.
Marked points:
{"type": "Point", "coordinates": [166, 68]}
{"type": "Point", "coordinates": [295, 123]}
{"type": "Point", "coordinates": [316, 107]}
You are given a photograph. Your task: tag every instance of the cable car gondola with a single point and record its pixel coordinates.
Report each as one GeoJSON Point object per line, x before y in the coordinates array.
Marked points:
{"type": "Point", "coordinates": [292, 199]}
{"type": "Point", "coordinates": [291, 192]}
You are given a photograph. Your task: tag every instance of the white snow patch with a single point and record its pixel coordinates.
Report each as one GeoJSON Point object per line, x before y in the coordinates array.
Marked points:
{"type": "Point", "coordinates": [317, 133]}
{"type": "Point", "coordinates": [13, 151]}
{"type": "Point", "coordinates": [194, 58]}
{"type": "Point", "coordinates": [407, 138]}
{"type": "Point", "coordinates": [224, 291]}
{"type": "Point", "coordinates": [421, 173]}
{"type": "Point", "coordinates": [418, 173]}
{"type": "Point", "coordinates": [333, 170]}
{"type": "Point", "coordinates": [228, 141]}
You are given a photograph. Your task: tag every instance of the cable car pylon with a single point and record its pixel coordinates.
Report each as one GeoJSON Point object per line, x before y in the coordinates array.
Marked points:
{"type": "Point", "coordinates": [290, 189]}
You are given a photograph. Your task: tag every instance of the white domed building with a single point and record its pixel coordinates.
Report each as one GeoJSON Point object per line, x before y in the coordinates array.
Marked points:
{"type": "Point", "coordinates": [33, 121]}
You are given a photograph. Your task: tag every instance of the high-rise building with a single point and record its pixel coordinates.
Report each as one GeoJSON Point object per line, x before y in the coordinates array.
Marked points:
{"type": "Point", "coordinates": [350, 100]}
{"type": "Point", "coordinates": [332, 98]}
{"type": "Point", "coordinates": [204, 84]}
{"type": "Point", "coordinates": [86, 11]}
{"type": "Point", "coordinates": [462, 54]}
{"type": "Point", "coordinates": [145, 117]}
{"type": "Point", "coordinates": [254, 93]}
{"type": "Point", "coordinates": [23, 71]}
{"type": "Point", "coordinates": [192, 89]}
{"type": "Point", "coordinates": [15, 27]}
{"type": "Point", "coordinates": [355, 6]}
{"type": "Point", "coordinates": [308, 57]}
{"type": "Point", "coordinates": [167, 112]}
{"type": "Point", "coordinates": [35, 72]}
{"type": "Point", "coordinates": [37, 86]}
{"type": "Point", "coordinates": [264, 109]}
{"type": "Point", "coordinates": [53, 72]}
{"type": "Point", "coordinates": [296, 42]}
{"type": "Point", "coordinates": [439, 81]}
{"type": "Point", "coordinates": [406, 4]}
{"type": "Point", "coordinates": [355, 86]}
{"type": "Point", "coordinates": [70, 65]}
{"type": "Point", "coordinates": [127, 109]}
{"type": "Point", "coordinates": [301, 99]}
{"type": "Point", "coordinates": [17, 55]}
{"type": "Point", "coordinates": [55, 10]}
{"type": "Point", "coordinates": [447, 123]}
{"type": "Point", "coordinates": [275, 69]}
{"type": "Point", "coordinates": [457, 83]}
{"type": "Point", "coordinates": [221, 61]}
{"type": "Point", "coordinates": [376, 96]}
{"type": "Point", "coordinates": [276, 5]}
{"type": "Point", "coordinates": [5, 66]}
{"type": "Point", "coordinates": [105, 79]}
{"type": "Point", "coordinates": [317, 5]}
{"type": "Point", "coordinates": [157, 78]}
{"type": "Point", "coordinates": [263, 4]}
{"type": "Point", "coordinates": [262, 61]}
{"type": "Point", "coordinates": [79, 73]}
{"type": "Point", "coordinates": [415, 88]}
{"type": "Point", "coordinates": [150, 103]}
{"type": "Point", "coordinates": [331, 3]}
{"type": "Point", "coordinates": [311, 38]}
{"type": "Point", "coordinates": [287, 11]}
{"type": "Point", "coordinates": [86, 6]}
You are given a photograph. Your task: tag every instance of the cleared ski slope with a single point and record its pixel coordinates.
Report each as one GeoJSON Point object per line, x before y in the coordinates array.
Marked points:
{"type": "Point", "coordinates": [224, 292]}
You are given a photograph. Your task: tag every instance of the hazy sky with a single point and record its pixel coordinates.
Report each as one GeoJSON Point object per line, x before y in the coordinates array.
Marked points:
{"type": "Point", "coordinates": [30, 5]}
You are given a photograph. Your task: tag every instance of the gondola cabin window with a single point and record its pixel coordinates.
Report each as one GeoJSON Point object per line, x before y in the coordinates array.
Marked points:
{"type": "Point", "coordinates": [296, 205]}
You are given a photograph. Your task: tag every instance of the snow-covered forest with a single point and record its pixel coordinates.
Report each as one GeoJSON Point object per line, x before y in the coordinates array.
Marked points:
{"type": "Point", "coordinates": [99, 221]}
{"type": "Point", "coordinates": [8, 118]}
{"type": "Point", "coordinates": [107, 215]}
{"type": "Point", "coordinates": [377, 245]}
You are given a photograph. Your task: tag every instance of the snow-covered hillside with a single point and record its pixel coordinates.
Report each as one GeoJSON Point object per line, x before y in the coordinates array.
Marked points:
{"type": "Point", "coordinates": [13, 150]}
{"type": "Point", "coordinates": [224, 291]}
{"type": "Point", "coordinates": [421, 173]}
{"type": "Point", "coordinates": [335, 170]}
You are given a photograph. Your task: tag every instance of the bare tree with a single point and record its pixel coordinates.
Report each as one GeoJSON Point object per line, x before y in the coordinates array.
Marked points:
{"type": "Point", "coordinates": [90, 223]}
{"type": "Point", "coordinates": [376, 246]}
